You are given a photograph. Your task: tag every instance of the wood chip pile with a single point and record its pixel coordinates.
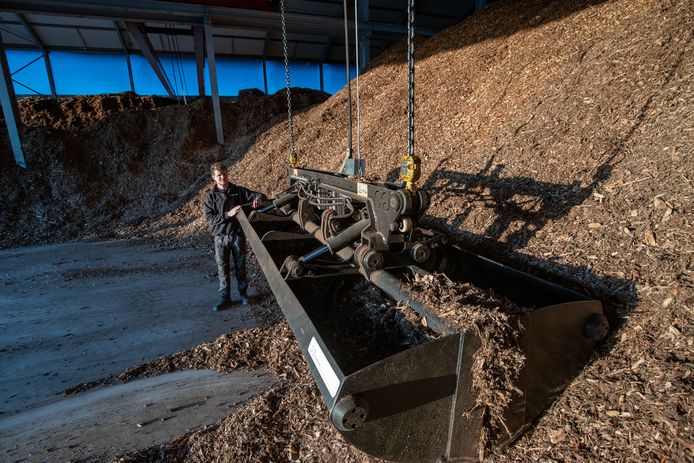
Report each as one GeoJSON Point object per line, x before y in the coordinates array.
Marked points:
{"type": "Point", "coordinates": [101, 164]}
{"type": "Point", "coordinates": [557, 137]}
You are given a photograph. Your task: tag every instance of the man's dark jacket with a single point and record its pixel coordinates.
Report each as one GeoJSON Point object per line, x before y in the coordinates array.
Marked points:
{"type": "Point", "coordinates": [219, 202]}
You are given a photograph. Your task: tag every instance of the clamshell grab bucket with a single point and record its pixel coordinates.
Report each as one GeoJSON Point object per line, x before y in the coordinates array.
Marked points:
{"type": "Point", "coordinates": [418, 404]}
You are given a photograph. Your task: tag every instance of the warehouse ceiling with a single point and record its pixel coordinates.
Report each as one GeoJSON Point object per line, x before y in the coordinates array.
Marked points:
{"type": "Point", "coordinates": [240, 28]}
{"type": "Point", "coordinates": [207, 28]}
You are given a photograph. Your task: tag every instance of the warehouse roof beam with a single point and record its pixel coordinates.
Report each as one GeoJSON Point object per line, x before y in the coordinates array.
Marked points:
{"type": "Point", "coordinates": [151, 10]}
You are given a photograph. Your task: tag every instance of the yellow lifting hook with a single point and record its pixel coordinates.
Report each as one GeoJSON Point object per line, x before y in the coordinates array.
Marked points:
{"type": "Point", "coordinates": [410, 170]}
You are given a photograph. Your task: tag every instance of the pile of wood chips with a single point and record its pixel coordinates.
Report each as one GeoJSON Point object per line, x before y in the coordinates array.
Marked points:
{"type": "Point", "coordinates": [100, 166]}
{"type": "Point", "coordinates": [556, 137]}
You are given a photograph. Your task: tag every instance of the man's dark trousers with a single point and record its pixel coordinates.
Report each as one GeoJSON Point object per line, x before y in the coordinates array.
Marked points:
{"type": "Point", "coordinates": [233, 244]}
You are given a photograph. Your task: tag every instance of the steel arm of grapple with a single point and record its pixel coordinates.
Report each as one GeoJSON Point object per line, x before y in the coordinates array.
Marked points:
{"type": "Point", "coordinates": [419, 404]}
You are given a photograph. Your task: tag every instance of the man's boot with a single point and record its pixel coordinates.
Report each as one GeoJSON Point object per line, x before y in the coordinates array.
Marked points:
{"type": "Point", "coordinates": [223, 301]}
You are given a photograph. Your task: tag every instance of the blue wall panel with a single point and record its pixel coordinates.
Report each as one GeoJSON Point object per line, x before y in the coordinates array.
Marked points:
{"type": "Point", "coordinates": [181, 73]}
{"type": "Point", "coordinates": [80, 73]}
{"type": "Point", "coordinates": [234, 74]}
{"type": "Point", "coordinates": [31, 80]}
{"type": "Point", "coordinates": [335, 78]}
{"type": "Point", "coordinates": [89, 73]}
{"type": "Point", "coordinates": [144, 78]}
{"type": "Point", "coordinates": [304, 75]}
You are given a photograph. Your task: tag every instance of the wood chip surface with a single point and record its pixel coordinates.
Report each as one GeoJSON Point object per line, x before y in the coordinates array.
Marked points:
{"type": "Point", "coordinates": [556, 137]}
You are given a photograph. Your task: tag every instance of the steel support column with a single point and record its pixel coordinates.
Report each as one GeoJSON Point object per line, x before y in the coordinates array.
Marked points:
{"type": "Point", "coordinates": [127, 55]}
{"type": "Point", "coordinates": [267, 91]}
{"type": "Point", "coordinates": [326, 53]}
{"type": "Point", "coordinates": [140, 36]}
{"type": "Point", "coordinates": [209, 45]}
{"type": "Point", "coordinates": [8, 99]}
{"type": "Point", "coordinates": [267, 36]}
{"type": "Point", "coordinates": [44, 51]}
{"type": "Point", "coordinates": [199, 45]}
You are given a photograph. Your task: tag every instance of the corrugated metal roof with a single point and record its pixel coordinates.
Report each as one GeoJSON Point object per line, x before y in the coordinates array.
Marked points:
{"type": "Point", "coordinates": [315, 27]}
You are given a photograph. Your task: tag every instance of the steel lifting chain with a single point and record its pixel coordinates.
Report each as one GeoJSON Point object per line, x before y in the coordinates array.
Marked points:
{"type": "Point", "coordinates": [292, 152]}
{"type": "Point", "coordinates": [410, 77]}
{"type": "Point", "coordinates": [356, 53]}
{"type": "Point", "coordinates": [349, 82]}
{"type": "Point", "coordinates": [410, 165]}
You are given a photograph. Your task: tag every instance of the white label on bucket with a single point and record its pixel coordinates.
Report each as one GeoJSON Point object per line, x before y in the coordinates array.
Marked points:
{"type": "Point", "coordinates": [363, 189]}
{"type": "Point", "coordinates": [326, 372]}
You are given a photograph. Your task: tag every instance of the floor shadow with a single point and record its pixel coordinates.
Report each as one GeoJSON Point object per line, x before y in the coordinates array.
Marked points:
{"type": "Point", "coordinates": [532, 204]}
{"type": "Point", "coordinates": [522, 205]}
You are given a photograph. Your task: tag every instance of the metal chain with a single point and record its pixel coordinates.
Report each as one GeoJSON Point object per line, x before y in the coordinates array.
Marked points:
{"type": "Point", "coordinates": [410, 77]}
{"type": "Point", "coordinates": [286, 73]}
{"type": "Point", "coordinates": [349, 82]}
{"type": "Point", "coordinates": [356, 53]}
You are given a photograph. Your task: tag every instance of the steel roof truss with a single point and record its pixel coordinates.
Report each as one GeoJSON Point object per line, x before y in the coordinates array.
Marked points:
{"type": "Point", "coordinates": [44, 51]}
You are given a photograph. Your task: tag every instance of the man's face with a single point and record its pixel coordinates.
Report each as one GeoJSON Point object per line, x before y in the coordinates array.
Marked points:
{"type": "Point", "coordinates": [220, 179]}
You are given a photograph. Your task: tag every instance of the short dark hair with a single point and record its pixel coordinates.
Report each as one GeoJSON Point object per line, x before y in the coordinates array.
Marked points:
{"type": "Point", "coordinates": [217, 167]}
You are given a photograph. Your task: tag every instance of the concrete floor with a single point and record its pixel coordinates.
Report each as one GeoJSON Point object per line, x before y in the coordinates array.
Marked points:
{"type": "Point", "coordinates": [101, 424]}
{"type": "Point", "coordinates": [77, 312]}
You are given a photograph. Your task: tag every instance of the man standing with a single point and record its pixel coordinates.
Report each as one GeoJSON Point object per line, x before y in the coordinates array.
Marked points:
{"type": "Point", "coordinates": [222, 203]}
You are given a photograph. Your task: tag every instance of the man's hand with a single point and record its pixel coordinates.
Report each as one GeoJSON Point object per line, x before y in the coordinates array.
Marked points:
{"type": "Point", "coordinates": [234, 210]}
{"type": "Point", "coordinates": [256, 202]}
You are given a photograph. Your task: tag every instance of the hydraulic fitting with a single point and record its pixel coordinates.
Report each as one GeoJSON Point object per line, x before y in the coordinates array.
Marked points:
{"type": "Point", "coordinates": [596, 327]}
